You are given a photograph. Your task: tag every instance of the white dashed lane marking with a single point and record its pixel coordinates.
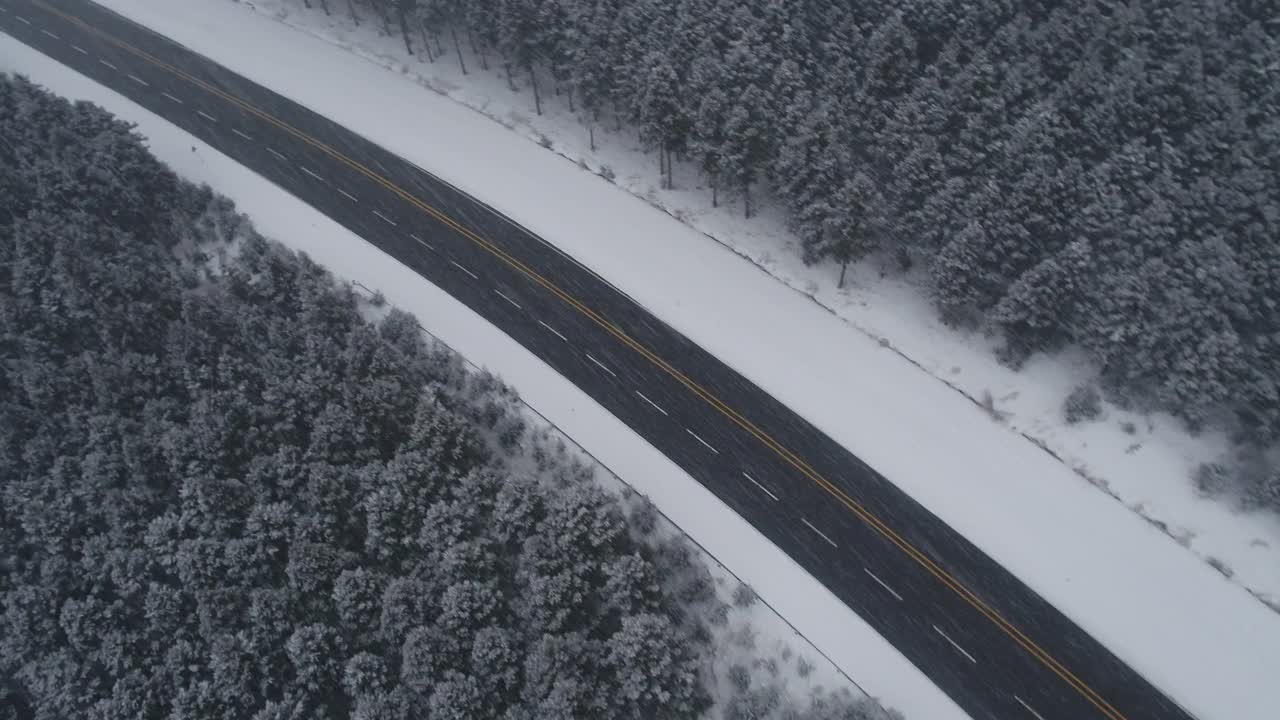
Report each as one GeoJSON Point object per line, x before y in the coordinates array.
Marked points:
{"type": "Point", "coordinates": [883, 584]}
{"type": "Point", "coordinates": [557, 332]}
{"type": "Point", "coordinates": [704, 442]}
{"type": "Point", "coordinates": [820, 533]}
{"type": "Point", "coordinates": [207, 116]}
{"type": "Point", "coordinates": [172, 98]}
{"type": "Point", "coordinates": [654, 404]}
{"type": "Point", "coordinates": [600, 364]}
{"type": "Point", "coordinates": [503, 296]}
{"type": "Point", "coordinates": [348, 195]}
{"type": "Point", "coordinates": [429, 246]}
{"type": "Point", "coordinates": [22, 19]}
{"type": "Point", "coordinates": [46, 32]}
{"type": "Point", "coordinates": [140, 81]}
{"type": "Point", "coordinates": [308, 171]}
{"type": "Point", "coordinates": [763, 489]}
{"type": "Point", "coordinates": [246, 137]}
{"type": "Point", "coordinates": [385, 219]}
{"type": "Point", "coordinates": [79, 49]}
{"type": "Point", "coordinates": [104, 62]}
{"type": "Point", "coordinates": [1028, 707]}
{"type": "Point", "coordinates": [273, 152]}
{"type": "Point", "coordinates": [954, 644]}
{"type": "Point", "coordinates": [474, 276]}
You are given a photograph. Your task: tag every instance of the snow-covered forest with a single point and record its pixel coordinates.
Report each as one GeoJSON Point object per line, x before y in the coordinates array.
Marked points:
{"type": "Point", "coordinates": [1104, 175]}
{"type": "Point", "coordinates": [230, 488]}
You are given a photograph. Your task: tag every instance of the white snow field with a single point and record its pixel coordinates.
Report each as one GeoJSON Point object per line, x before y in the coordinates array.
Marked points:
{"type": "Point", "coordinates": [1198, 636]}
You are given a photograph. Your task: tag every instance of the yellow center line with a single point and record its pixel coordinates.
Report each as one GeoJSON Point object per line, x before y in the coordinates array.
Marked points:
{"type": "Point", "coordinates": [791, 458]}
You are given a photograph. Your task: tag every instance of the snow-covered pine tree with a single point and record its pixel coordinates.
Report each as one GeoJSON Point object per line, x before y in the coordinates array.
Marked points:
{"type": "Point", "coordinates": [663, 119]}
{"type": "Point", "coordinates": [1039, 311]}
{"type": "Point", "coordinates": [745, 150]}
{"type": "Point", "coordinates": [854, 227]}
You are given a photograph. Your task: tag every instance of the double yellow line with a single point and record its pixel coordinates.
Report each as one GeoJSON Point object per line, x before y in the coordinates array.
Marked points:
{"type": "Point", "coordinates": [791, 458]}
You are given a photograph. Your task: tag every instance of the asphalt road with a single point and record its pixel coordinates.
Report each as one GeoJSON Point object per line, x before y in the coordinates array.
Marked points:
{"type": "Point", "coordinates": [991, 643]}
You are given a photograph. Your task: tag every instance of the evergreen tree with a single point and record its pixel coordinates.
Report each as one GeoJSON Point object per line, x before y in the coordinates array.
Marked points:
{"type": "Point", "coordinates": [662, 115]}
{"type": "Point", "coordinates": [592, 70]}
{"type": "Point", "coordinates": [854, 226]}
{"type": "Point", "coordinates": [364, 676]}
{"type": "Point", "coordinates": [708, 127]}
{"type": "Point", "coordinates": [640, 649]}
{"type": "Point", "coordinates": [1042, 309]}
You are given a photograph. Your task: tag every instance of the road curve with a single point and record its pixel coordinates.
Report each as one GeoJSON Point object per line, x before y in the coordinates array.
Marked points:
{"type": "Point", "coordinates": [986, 639]}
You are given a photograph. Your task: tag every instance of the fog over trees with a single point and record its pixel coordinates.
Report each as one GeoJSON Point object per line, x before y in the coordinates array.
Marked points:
{"type": "Point", "coordinates": [1101, 174]}
{"type": "Point", "coordinates": [231, 489]}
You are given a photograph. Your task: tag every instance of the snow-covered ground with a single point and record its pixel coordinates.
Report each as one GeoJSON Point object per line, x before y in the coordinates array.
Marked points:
{"type": "Point", "coordinates": [1143, 461]}
{"type": "Point", "coordinates": [1192, 632]}
{"type": "Point", "coordinates": [850, 656]}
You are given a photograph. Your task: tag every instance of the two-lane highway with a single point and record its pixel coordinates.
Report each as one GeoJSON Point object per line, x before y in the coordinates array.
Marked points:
{"type": "Point", "coordinates": [984, 637]}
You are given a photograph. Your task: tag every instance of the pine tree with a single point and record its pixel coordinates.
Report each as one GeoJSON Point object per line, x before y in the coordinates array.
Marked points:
{"type": "Point", "coordinates": [887, 65]}
{"type": "Point", "coordinates": [458, 696]}
{"type": "Point", "coordinates": [708, 133]}
{"type": "Point", "coordinates": [364, 675]}
{"type": "Point", "coordinates": [855, 226]}
{"type": "Point", "coordinates": [357, 598]}
{"type": "Point", "coordinates": [496, 664]}
{"type": "Point", "coordinates": [481, 21]}
{"type": "Point", "coordinates": [315, 651]}
{"type": "Point", "coordinates": [634, 35]}
{"type": "Point", "coordinates": [745, 148]}
{"type": "Point", "coordinates": [406, 604]}
{"type": "Point", "coordinates": [630, 585]}
{"type": "Point", "coordinates": [592, 70]}
{"type": "Point", "coordinates": [662, 115]}
{"type": "Point", "coordinates": [919, 176]}
{"type": "Point", "coordinates": [804, 165]}
{"type": "Point", "coordinates": [517, 38]}
{"type": "Point", "coordinates": [555, 41]}
{"type": "Point", "coordinates": [564, 677]}
{"type": "Point", "coordinates": [652, 671]}
{"type": "Point", "coordinates": [398, 703]}
{"type": "Point", "coordinates": [423, 660]}
{"type": "Point", "coordinates": [746, 151]}
{"type": "Point", "coordinates": [1041, 309]}
{"type": "Point", "coordinates": [956, 274]}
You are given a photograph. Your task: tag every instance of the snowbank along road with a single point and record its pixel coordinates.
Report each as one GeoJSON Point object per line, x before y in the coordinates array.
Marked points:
{"type": "Point", "coordinates": [985, 638]}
